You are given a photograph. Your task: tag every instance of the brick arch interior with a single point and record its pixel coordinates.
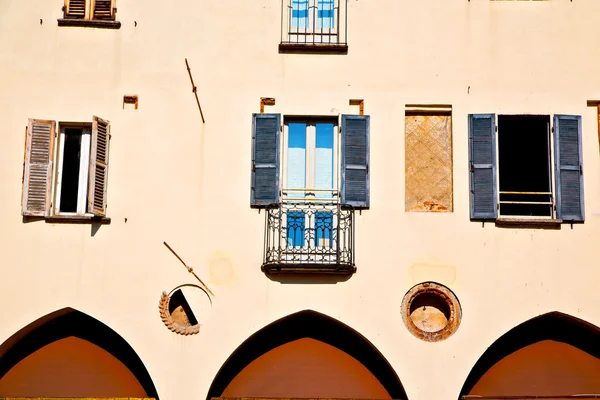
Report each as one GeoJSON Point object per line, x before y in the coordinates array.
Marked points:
{"type": "Point", "coordinates": [70, 354]}
{"type": "Point", "coordinates": [551, 355]}
{"type": "Point", "coordinates": [307, 355]}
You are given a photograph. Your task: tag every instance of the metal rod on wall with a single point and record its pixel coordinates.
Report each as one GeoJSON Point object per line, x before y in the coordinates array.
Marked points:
{"type": "Point", "coordinates": [194, 89]}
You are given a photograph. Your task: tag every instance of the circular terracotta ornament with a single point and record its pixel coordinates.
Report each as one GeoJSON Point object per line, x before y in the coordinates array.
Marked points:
{"type": "Point", "coordinates": [431, 311]}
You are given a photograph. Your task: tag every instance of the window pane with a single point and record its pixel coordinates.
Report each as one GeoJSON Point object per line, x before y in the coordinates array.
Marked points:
{"type": "Point", "coordinates": [70, 170]}
{"type": "Point", "coordinates": [324, 159]}
{"type": "Point", "coordinates": [295, 229]}
{"type": "Point", "coordinates": [326, 14]}
{"type": "Point", "coordinates": [296, 162]}
{"type": "Point", "coordinates": [323, 227]}
{"type": "Point", "coordinates": [299, 14]}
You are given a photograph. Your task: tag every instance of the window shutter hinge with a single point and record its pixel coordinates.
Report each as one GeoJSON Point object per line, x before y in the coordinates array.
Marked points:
{"type": "Point", "coordinates": [281, 128]}
{"type": "Point", "coordinates": [496, 127]}
{"type": "Point", "coordinates": [580, 170]}
{"type": "Point", "coordinates": [64, 9]}
{"type": "Point", "coordinates": [552, 129]}
{"type": "Point", "coordinates": [472, 168]}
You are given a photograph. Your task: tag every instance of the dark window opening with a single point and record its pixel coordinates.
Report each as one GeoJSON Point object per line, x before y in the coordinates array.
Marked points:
{"type": "Point", "coordinates": [524, 165]}
{"type": "Point", "coordinates": [70, 170]}
{"type": "Point", "coordinates": [180, 309]}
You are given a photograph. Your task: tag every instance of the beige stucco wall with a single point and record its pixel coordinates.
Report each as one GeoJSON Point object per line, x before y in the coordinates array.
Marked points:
{"type": "Point", "coordinates": [176, 179]}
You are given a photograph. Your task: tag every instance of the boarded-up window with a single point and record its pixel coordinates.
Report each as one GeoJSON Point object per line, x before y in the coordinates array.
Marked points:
{"type": "Point", "coordinates": [428, 159]}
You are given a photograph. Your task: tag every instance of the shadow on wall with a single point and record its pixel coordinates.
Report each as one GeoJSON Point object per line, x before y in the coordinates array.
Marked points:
{"type": "Point", "coordinates": [70, 354]}
{"type": "Point", "coordinates": [280, 360]}
{"type": "Point", "coordinates": [551, 355]}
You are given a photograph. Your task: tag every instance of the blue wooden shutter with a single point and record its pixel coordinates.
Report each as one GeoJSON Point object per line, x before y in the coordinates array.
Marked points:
{"type": "Point", "coordinates": [265, 160]}
{"type": "Point", "coordinates": [355, 161]}
{"type": "Point", "coordinates": [482, 165]}
{"type": "Point", "coordinates": [568, 167]}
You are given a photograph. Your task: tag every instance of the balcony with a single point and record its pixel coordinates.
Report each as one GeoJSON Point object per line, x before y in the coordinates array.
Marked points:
{"type": "Point", "coordinates": [309, 236]}
{"type": "Point", "coordinates": [314, 26]}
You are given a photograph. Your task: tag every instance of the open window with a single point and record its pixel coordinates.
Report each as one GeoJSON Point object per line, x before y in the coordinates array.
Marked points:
{"type": "Point", "coordinates": [310, 173]}
{"type": "Point", "coordinates": [94, 13]}
{"type": "Point", "coordinates": [511, 167]}
{"type": "Point", "coordinates": [314, 161]}
{"type": "Point", "coordinates": [76, 188]}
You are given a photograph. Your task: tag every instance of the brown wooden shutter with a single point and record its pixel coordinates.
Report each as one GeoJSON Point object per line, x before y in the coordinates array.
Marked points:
{"type": "Point", "coordinates": [37, 173]}
{"type": "Point", "coordinates": [103, 9]}
{"type": "Point", "coordinates": [98, 167]}
{"type": "Point", "coordinates": [75, 8]}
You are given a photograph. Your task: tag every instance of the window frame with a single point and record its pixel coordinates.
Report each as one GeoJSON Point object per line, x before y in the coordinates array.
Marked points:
{"type": "Point", "coordinates": [566, 171]}
{"type": "Point", "coordinates": [89, 18]}
{"type": "Point", "coordinates": [310, 158]}
{"type": "Point", "coordinates": [313, 35]}
{"type": "Point", "coordinates": [310, 193]}
{"type": "Point", "coordinates": [84, 168]}
{"type": "Point", "coordinates": [42, 171]}
{"type": "Point", "coordinates": [551, 170]}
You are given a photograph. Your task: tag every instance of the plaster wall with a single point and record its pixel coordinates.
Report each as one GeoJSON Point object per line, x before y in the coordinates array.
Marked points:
{"type": "Point", "coordinates": [173, 178]}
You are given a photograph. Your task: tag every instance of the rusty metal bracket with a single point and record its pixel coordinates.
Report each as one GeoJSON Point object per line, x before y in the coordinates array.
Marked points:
{"type": "Point", "coordinates": [361, 105]}
{"type": "Point", "coordinates": [190, 269]}
{"type": "Point", "coordinates": [266, 101]}
{"type": "Point", "coordinates": [194, 89]}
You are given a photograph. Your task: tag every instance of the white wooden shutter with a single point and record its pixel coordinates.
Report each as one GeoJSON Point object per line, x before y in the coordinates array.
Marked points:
{"type": "Point", "coordinates": [98, 167]}
{"type": "Point", "coordinates": [103, 9]}
{"type": "Point", "coordinates": [37, 173]}
{"type": "Point", "coordinates": [75, 8]}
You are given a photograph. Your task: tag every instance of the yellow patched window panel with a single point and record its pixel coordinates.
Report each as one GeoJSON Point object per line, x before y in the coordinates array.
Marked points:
{"type": "Point", "coordinates": [428, 158]}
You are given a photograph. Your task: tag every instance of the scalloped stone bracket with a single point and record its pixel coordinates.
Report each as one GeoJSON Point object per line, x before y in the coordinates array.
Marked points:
{"type": "Point", "coordinates": [181, 326]}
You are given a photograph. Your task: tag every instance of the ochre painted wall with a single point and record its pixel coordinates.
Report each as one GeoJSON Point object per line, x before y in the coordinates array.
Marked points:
{"type": "Point", "coordinates": [70, 367]}
{"type": "Point", "coordinates": [306, 368]}
{"type": "Point", "coordinates": [542, 369]}
{"type": "Point", "coordinates": [172, 178]}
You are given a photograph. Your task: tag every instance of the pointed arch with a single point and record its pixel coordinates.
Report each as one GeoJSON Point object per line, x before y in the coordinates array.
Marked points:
{"type": "Point", "coordinates": [310, 329]}
{"type": "Point", "coordinates": [552, 338]}
{"type": "Point", "coordinates": [55, 332]}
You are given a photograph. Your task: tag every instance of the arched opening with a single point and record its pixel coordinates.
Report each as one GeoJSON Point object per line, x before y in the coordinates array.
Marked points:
{"type": "Point", "coordinates": [70, 354]}
{"type": "Point", "coordinates": [553, 355]}
{"type": "Point", "coordinates": [307, 355]}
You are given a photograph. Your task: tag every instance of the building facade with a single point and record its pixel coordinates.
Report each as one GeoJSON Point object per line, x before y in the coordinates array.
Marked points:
{"type": "Point", "coordinates": [299, 198]}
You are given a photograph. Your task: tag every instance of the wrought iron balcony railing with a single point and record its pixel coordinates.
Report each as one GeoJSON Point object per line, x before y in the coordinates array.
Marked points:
{"type": "Point", "coordinates": [304, 236]}
{"type": "Point", "coordinates": [314, 24]}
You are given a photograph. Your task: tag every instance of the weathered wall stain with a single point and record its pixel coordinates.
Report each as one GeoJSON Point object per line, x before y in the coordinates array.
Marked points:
{"type": "Point", "coordinates": [428, 162]}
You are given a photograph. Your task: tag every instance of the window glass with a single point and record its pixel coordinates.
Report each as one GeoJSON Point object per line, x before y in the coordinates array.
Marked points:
{"type": "Point", "coordinates": [296, 163]}
{"type": "Point", "coordinates": [295, 229]}
{"type": "Point", "coordinates": [73, 170]}
{"type": "Point", "coordinates": [324, 158]}
{"type": "Point", "coordinates": [323, 227]}
{"type": "Point", "coordinates": [299, 14]}
{"type": "Point", "coordinates": [326, 12]}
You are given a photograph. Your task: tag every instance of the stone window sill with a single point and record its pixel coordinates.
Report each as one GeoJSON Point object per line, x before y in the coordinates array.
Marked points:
{"type": "Point", "coordinates": [77, 219]}
{"type": "Point", "coordinates": [89, 23]}
{"type": "Point", "coordinates": [529, 223]}
{"type": "Point", "coordinates": [311, 48]}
